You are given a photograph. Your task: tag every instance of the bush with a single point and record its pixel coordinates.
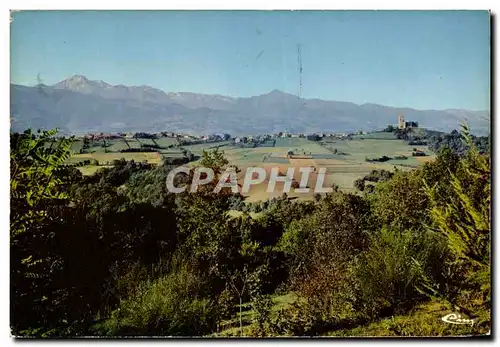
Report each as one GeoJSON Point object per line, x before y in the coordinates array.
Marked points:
{"type": "Point", "coordinates": [359, 184]}
{"type": "Point", "coordinates": [382, 159]}
{"type": "Point", "coordinates": [390, 275]}
{"type": "Point", "coordinates": [378, 176]}
{"type": "Point", "coordinates": [262, 305]}
{"type": "Point", "coordinates": [401, 202]}
{"type": "Point", "coordinates": [168, 306]}
{"type": "Point", "coordinates": [227, 302]}
{"type": "Point", "coordinates": [389, 129]}
{"type": "Point", "coordinates": [418, 154]}
{"type": "Point", "coordinates": [295, 236]}
{"type": "Point", "coordinates": [464, 217]}
{"type": "Point", "coordinates": [299, 319]}
{"type": "Point", "coordinates": [320, 248]}
{"type": "Point", "coordinates": [417, 143]}
{"type": "Point", "coordinates": [454, 141]}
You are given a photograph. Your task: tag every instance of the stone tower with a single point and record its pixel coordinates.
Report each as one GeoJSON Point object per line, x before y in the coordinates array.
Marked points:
{"type": "Point", "coordinates": [401, 122]}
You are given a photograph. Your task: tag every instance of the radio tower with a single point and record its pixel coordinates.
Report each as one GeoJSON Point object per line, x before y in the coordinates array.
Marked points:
{"type": "Point", "coordinates": [299, 62]}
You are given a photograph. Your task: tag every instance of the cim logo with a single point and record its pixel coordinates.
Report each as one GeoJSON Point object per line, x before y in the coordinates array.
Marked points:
{"type": "Point", "coordinates": [454, 318]}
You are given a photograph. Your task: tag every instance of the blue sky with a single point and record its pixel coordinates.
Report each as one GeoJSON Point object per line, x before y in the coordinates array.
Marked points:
{"type": "Point", "coordinates": [424, 60]}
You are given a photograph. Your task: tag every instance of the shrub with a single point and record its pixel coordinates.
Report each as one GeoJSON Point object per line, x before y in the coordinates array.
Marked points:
{"type": "Point", "coordinates": [227, 302]}
{"type": "Point", "coordinates": [255, 207]}
{"type": "Point", "coordinates": [262, 305]}
{"type": "Point", "coordinates": [320, 247]}
{"type": "Point", "coordinates": [300, 319]}
{"type": "Point", "coordinates": [382, 159]}
{"type": "Point", "coordinates": [389, 129]}
{"type": "Point", "coordinates": [465, 220]}
{"type": "Point", "coordinates": [417, 143]}
{"type": "Point", "coordinates": [296, 320]}
{"type": "Point", "coordinates": [401, 201]}
{"type": "Point", "coordinates": [359, 184]}
{"type": "Point", "coordinates": [378, 176]}
{"type": "Point", "coordinates": [418, 154]}
{"type": "Point", "coordinates": [295, 236]}
{"type": "Point", "coordinates": [389, 275]}
{"type": "Point", "coordinates": [168, 306]}
{"type": "Point", "coordinates": [384, 275]}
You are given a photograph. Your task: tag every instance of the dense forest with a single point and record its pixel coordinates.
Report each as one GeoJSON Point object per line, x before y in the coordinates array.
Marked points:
{"type": "Point", "coordinates": [116, 254]}
{"type": "Point", "coordinates": [437, 140]}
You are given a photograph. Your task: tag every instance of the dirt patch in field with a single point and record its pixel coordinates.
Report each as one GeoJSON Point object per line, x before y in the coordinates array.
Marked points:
{"type": "Point", "coordinates": [259, 192]}
{"type": "Point", "coordinates": [424, 159]}
{"type": "Point", "coordinates": [302, 162]}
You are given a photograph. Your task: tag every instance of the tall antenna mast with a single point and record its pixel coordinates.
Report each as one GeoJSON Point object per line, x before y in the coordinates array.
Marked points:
{"type": "Point", "coordinates": [299, 62]}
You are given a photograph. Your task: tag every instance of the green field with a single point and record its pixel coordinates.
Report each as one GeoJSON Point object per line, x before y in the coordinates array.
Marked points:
{"type": "Point", "coordinates": [359, 150]}
{"type": "Point", "coordinates": [198, 148]}
{"type": "Point", "coordinates": [376, 136]}
{"type": "Point", "coordinates": [344, 160]}
{"type": "Point", "coordinates": [342, 169]}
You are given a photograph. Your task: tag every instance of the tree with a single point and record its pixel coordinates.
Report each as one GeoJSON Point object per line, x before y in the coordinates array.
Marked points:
{"type": "Point", "coordinates": [214, 159]}
{"type": "Point", "coordinates": [320, 246]}
{"type": "Point", "coordinates": [389, 129]}
{"type": "Point", "coordinates": [189, 156]}
{"type": "Point", "coordinates": [359, 184]}
{"type": "Point", "coordinates": [34, 176]}
{"type": "Point", "coordinates": [465, 220]}
{"type": "Point", "coordinates": [85, 145]}
{"type": "Point", "coordinates": [400, 202]}
{"type": "Point", "coordinates": [38, 187]}
{"type": "Point", "coordinates": [240, 278]}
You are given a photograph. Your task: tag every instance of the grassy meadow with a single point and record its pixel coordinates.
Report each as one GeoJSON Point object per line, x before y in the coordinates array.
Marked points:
{"type": "Point", "coordinates": [344, 160]}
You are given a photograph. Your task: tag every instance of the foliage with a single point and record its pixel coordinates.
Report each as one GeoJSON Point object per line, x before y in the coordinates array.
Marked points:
{"type": "Point", "coordinates": [417, 143]}
{"type": "Point", "coordinates": [418, 154]}
{"type": "Point", "coordinates": [320, 247]}
{"type": "Point", "coordinates": [359, 184]}
{"type": "Point", "coordinates": [374, 176]}
{"type": "Point", "coordinates": [386, 275]}
{"type": "Point", "coordinates": [38, 181]}
{"type": "Point", "coordinates": [401, 201]}
{"type": "Point", "coordinates": [381, 159]}
{"type": "Point", "coordinates": [36, 164]}
{"type": "Point", "coordinates": [379, 176]}
{"type": "Point", "coordinates": [455, 142]}
{"type": "Point", "coordinates": [262, 305]}
{"type": "Point", "coordinates": [115, 253]}
{"type": "Point", "coordinates": [169, 306]}
{"type": "Point", "coordinates": [313, 137]}
{"type": "Point", "coordinates": [465, 220]}
{"type": "Point", "coordinates": [214, 160]}
{"type": "Point", "coordinates": [422, 321]}
{"type": "Point", "coordinates": [389, 129]}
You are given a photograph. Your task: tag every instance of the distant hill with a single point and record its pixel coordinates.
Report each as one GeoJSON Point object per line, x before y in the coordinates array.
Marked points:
{"type": "Point", "coordinates": [78, 105]}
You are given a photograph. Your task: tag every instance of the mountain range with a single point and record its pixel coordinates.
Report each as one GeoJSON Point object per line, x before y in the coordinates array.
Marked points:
{"type": "Point", "coordinates": [78, 105]}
